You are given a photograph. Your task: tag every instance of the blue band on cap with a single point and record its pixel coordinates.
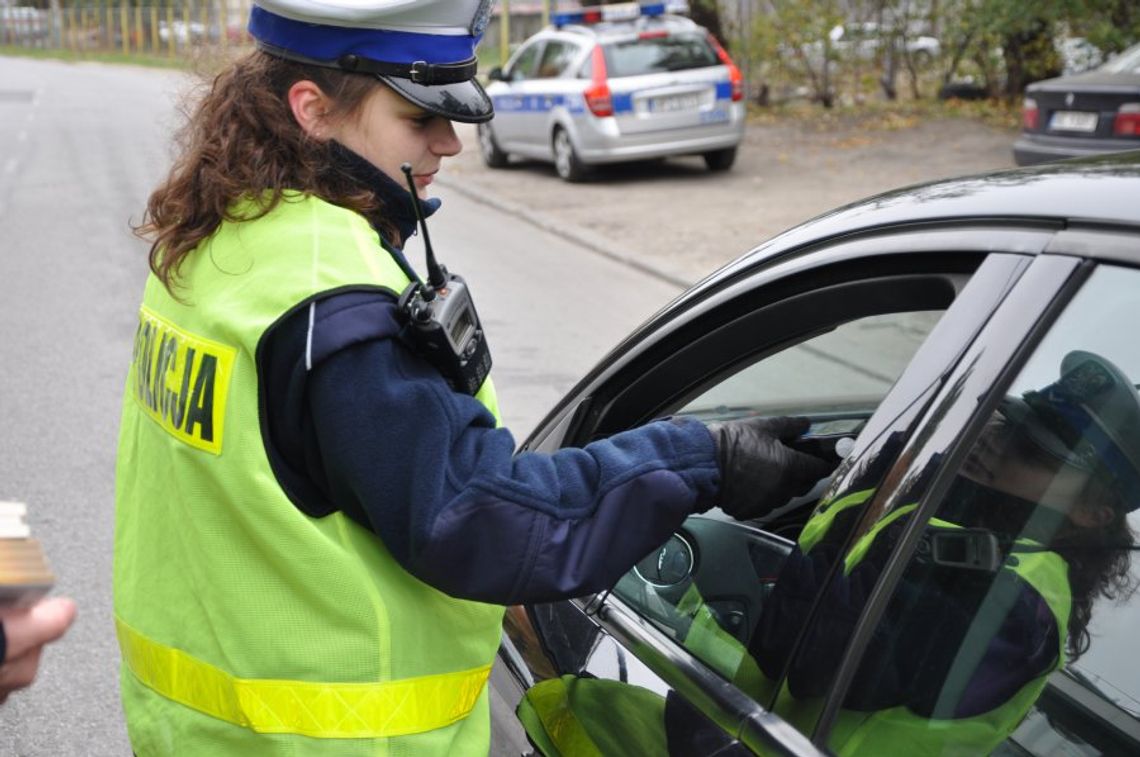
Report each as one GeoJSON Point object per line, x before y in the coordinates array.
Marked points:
{"type": "Point", "coordinates": [320, 42]}
{"type": "Point", "coordinates": [1101, 447]}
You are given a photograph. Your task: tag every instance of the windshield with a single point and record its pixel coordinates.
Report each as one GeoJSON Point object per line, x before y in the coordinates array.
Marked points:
{"type": "Point", "coordinates": [1128, 62]}
{"type": "Point", "coordinates": [656, 54]}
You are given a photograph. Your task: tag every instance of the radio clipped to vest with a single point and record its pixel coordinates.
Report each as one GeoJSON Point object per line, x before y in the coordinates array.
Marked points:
{"type": "Point", "coordinates": [441, 320]}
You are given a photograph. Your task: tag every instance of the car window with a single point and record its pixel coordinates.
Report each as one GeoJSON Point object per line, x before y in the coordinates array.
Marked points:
{"type": "Point", "coordinates": [525, 62]}
{"type": "Point", "coordinates": [846, 371]}
{"type": "Point", "coordinates": [1018, 597]}
{"type": "Point", "coordinates": [555, 58]}
{"type": "Point", "coordinates": [709, 586]}
{"type": "Point", "coordinates": [656, 54]}
{"type": "Point", "coordinates": [1128, 62]}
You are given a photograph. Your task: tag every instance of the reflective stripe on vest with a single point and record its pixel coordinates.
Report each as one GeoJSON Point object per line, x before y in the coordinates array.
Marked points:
{"type": "Point", "coordinates": [319, 710]}
{"type": "Point", "coordinates": [820, 521]}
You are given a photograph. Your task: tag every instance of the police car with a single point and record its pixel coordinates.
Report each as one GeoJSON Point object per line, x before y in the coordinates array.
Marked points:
{"type": "Point", "coordinates": [615, 83]}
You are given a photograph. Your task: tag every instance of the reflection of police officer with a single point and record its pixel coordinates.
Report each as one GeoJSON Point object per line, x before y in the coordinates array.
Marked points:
{"type": "Point", "coordinates": [315, 533]}
{"type": "Point", "coordinates": [1030, 534]}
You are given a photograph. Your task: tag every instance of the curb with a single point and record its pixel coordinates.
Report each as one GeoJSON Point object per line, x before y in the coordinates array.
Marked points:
{"type": "Point", "coordinates": [586, 239]}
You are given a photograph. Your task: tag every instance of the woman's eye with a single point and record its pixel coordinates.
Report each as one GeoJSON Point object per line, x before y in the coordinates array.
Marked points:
{"type": "Point", "coordinates": [422, 121]}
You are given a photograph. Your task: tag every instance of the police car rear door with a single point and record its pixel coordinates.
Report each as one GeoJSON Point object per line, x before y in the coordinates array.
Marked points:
{"type": "Point", "coordinates": [663, 79]}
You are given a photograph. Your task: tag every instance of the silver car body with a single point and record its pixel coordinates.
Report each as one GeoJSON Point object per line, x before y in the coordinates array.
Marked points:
{"type": "Point", "coordinates": [689, 111]}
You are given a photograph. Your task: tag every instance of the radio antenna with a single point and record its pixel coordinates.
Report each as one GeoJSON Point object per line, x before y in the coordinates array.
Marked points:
{"type": "Point", "coordinates": [436, 276]}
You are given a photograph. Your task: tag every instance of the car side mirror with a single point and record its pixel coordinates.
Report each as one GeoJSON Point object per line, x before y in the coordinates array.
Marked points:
{"type": "Point", "coordinates": [496, 74]}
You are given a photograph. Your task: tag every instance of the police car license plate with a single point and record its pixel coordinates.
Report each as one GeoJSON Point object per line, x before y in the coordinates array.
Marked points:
{"type": "Point", "coordinates": [674, 103]}
{"type": "Point", "coordinates": [1073, 120]}
{"type": "Point", "coordinates": [714, 116]}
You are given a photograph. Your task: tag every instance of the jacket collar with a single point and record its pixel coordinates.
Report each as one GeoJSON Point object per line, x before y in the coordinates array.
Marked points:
{"type": "Point", "coordinates": [392, 195]}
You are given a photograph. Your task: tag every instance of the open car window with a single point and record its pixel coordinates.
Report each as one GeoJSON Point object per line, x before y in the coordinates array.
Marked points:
{"type": "Point", "coordinates": [837, 378]}
{"type": "Point", "coordinates": [708, 586]}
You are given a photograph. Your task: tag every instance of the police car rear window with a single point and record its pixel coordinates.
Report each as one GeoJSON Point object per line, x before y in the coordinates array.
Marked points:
{"type": "Point", "coordinates": [658, 54]}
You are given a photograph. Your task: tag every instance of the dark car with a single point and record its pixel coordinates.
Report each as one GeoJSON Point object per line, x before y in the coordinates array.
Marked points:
{"type": "Point", "coordinates": [1087, 114]}
{"type": "Point", "coordinates": [944, 341]}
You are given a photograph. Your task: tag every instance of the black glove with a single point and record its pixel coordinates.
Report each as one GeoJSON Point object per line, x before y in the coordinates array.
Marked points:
{"type": "Point", "coordinates": [758, 471]}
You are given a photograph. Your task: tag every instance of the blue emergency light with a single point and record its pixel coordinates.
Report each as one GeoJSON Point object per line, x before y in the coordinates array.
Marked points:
{"type": "Point", "coordinates": [616, 12]}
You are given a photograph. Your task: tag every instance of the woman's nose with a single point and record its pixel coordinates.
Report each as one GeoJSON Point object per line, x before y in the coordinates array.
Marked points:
{"type": "Point", "coordinates": [446, 142]}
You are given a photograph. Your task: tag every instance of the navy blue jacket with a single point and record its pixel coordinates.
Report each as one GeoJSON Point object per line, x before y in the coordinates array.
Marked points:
{"type": "Point", "coordinates": [370, 428]}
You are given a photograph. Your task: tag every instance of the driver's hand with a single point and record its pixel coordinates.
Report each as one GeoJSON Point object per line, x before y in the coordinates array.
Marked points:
{"type": "Point", "coordinates": [758, 471]}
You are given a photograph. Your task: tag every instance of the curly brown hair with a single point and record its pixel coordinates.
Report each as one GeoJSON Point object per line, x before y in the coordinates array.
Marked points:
{"type": "Point", "coordinates": [242, 141]}
{"type": "Point", "coordinates": [1100, 564]}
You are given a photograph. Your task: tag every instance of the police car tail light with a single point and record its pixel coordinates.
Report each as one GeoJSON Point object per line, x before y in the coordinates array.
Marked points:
{"type": "Point", "coordinates": [1127, 122]}
{"type": "Point", "coordinates": [1030, 115]}
{"type": "Point", "coordinates": [598, 97]}
{"type": "Point", "coordinates": [734, 75]}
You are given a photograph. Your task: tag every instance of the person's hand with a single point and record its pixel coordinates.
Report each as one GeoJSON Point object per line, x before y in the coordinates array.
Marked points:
{"type": "Point", "coordinates": [26, 631]}
{"type": "Point", "coordinates": [758, 471]}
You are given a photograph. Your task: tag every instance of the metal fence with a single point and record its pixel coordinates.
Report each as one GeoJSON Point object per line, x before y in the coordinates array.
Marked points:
{"type": "Point", "coordinates": [169, 30]}
{"type": "Point", "coordinates": [177, 29]}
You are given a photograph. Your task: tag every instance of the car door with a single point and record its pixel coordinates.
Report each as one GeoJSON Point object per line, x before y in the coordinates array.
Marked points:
{"type": "Point", "coordinates": [859, 336]}
{"type": "Point", "coordinates": [1019, 638]}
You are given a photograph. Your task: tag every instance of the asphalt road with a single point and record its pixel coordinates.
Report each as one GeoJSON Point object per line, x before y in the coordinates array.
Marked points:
{"type": "Point", "coordinates": [80, 148]}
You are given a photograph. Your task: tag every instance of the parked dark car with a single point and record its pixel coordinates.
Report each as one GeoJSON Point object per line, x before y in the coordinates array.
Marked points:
{"type": "Point", "coordinates": [910, 328]}
{"type": "Point", "coordinates": [1086, 114]}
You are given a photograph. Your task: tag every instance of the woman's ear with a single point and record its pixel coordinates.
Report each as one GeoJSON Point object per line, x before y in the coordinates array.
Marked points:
{"type": "Point", "coordinates": [310, 107]}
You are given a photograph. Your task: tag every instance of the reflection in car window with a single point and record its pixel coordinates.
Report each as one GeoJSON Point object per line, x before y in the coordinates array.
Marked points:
{"type": "Point", "coordinates": [656, 54]}
{"type": "Point", "coordinates": [522, 67]}
{"type": "Point", "coordinates": [1012, 596]}
{"type": "Point", "coordinates": [709, 586]}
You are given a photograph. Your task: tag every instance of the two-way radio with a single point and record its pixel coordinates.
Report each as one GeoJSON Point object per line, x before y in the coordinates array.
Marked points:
{"type": "Point", "coordinates": [440, 317]}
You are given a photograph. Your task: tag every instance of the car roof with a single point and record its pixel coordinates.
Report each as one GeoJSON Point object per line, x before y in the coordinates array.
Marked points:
{"type": "Point", "coordinates": [1097, 192]}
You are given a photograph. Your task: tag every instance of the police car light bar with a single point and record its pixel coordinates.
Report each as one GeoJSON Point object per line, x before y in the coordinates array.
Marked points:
{"type": "Point", "coordinates": [617, 12]}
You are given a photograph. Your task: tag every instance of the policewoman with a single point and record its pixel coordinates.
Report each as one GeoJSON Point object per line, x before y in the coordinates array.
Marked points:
{"type": "Point", "coordinates": [316, 530]}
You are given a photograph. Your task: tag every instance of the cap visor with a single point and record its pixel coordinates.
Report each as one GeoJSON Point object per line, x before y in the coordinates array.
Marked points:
{"type": "Point", "coordinates": [464, 101]}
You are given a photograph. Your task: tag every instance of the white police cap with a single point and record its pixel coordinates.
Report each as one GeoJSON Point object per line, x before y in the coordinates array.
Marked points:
{"type": "Point", "coordinates": [423, 49]}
